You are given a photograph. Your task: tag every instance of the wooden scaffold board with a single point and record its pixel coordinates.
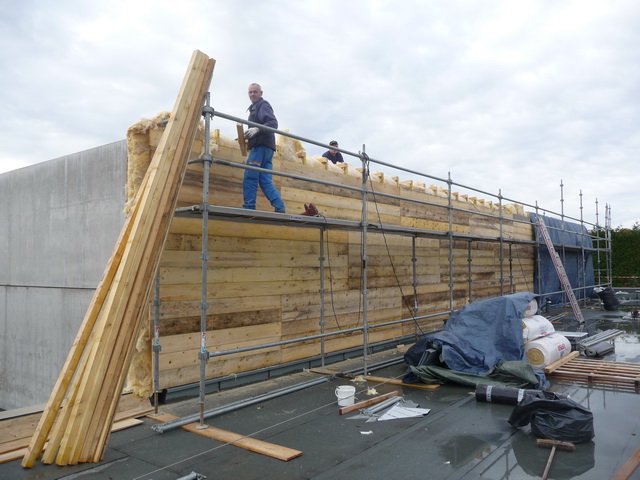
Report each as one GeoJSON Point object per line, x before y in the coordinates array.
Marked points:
{"type": "Point", "coordinates": [618, 376]}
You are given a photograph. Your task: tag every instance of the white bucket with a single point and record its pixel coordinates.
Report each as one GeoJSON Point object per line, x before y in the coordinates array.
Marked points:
{"type": "Point", "coordinates": [346, 395]}
{"type": "Point", "coordinates": [535, 327]}
{"type": "Point", "coordinates": [531, 309]}
{"type": "Point", "coordinates": [543, 351]}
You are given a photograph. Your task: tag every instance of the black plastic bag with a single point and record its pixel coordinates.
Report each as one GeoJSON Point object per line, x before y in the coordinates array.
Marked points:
{"type": "Point", "coordinates": [554, 417]}
{"type": "Point", "coordinates": [609, 299]}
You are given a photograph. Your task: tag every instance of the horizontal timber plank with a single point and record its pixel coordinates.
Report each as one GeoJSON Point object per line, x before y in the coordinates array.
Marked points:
{"type": "Point", "coordinates": [242, 441]}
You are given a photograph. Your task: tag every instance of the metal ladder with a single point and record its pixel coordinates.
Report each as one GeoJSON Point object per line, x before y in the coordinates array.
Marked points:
{"type": "Point", "coordinates": [557, 263]}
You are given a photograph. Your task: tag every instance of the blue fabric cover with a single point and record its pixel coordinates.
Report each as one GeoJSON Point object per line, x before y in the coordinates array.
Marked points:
{"type": "Point", "coordinates": [580, 273]}
{"type": "Point", "coordinates": [482, 334]}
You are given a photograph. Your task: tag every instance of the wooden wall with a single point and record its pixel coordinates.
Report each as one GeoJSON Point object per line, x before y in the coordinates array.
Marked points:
{"type": "Point", "coordinates": [264, 279]}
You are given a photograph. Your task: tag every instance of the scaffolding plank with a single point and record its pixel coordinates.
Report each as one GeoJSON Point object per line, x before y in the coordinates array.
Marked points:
{"type": "Point", "coordinates": [242, 441]}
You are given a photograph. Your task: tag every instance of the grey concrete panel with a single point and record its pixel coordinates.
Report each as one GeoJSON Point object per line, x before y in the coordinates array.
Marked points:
{"type": "Point", "coordinates": [4, 229]}
{"type": "Point", "coordinates": [63, 218]}
{"type": "Point", "coordinates": [39, 329]}
{"type": "Point", "coordinates": [59, 223]}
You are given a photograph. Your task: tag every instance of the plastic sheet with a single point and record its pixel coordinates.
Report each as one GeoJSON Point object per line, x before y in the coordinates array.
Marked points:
{"type": "Point", "coordinates": [554, 417]}
{"type": "Point", "coordinates": [609, 299]}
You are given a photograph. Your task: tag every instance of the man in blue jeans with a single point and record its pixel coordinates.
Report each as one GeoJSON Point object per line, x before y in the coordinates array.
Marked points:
{"type": "Point", "coordinates": [262, 144]}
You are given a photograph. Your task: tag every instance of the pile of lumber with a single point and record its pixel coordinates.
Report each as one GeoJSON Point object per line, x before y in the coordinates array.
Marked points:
{"type": "Point", "coordinates": [77, 420]}
{"type": "Point", "coordinates": [17, 426]}
{"type": "Point", "coordinates": [607, 375]}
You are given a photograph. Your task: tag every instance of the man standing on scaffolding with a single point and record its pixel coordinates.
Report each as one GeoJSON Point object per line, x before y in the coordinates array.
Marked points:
{"type": "Point", "coordinates": [262, 144]}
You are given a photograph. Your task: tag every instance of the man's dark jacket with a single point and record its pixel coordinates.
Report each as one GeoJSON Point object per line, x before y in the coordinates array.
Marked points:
{"type": "Point", "coordinates": [262, 113]}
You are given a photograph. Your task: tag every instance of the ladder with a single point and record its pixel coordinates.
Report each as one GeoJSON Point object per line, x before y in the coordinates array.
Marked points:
{"type": "Point", "coordinates": [557, 263]}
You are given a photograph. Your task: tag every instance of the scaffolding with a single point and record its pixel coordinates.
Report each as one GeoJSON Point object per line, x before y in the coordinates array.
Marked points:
{"type": "Point", "coordinates": [600, 239]}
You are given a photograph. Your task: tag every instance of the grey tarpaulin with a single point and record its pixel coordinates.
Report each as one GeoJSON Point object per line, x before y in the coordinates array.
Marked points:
{"type": "Point", "coordinates": [477, 338]}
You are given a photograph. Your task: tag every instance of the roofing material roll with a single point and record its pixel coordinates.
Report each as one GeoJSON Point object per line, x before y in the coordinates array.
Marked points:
{"type": "Point", "coordinates": [535, 327]}
{"type": "Point", "coordinates": [506, 395]}
{"type": "Point", "coordinates": [599, 349]}
{"type": "Point", "coordinates": [543, 351]}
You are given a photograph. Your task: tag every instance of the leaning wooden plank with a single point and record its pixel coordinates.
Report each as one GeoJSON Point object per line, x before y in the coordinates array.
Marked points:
{"type": "Point", "coordinates": [557, 364]}
{"type": "Point", "coordinates": [168, 165]}
{"type": "Point", "coordinates": [395, 381]}
{"type": "Point", "coordinates": [189, 106]}
{"type": "Point", "coordinates": [50, 413]}
{"type": "Point", "coordinates": [241, 141]}
{"type": "Point", "coordinates": [192, 110]}
{"type": "Point", "coordinates": [368, 403]}
{"type": "Point", "coordinates": [74, 433]}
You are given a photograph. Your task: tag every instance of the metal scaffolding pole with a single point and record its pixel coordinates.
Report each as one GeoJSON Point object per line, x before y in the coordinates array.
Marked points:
{"type": "Point", "coordinates": [414, 265]}
{"type": "Point", "coordinates": [206, 160]}
{"type": "Point", "coordinates": [501, 245]}
{"type": "Point", "coordinates": [469, 271]}
{"type": "Point", "coordinates": [450, 210]}
{"type": "Point", "coordinates": [538, 259]}
{"type": "Point", "coordinates": [156, 348]}
{"type": "Point", "coordinates": [365, 294]}
{"type": "Point", "coordinates": [322, 314]}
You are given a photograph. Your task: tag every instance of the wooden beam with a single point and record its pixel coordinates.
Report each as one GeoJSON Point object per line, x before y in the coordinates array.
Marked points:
{"type": "Point", "coordinates": [628, 468]}
{"type": "Point", "coordinates": [368, 403]}
{"type": "Point", "coordinates": [242, 441]}
{"type": "Point", "coordinates": [241, 140]}
{"type": "Point", "coordinates": [558, 363]}
{"type": "Point", "coordinates": [395, 381]}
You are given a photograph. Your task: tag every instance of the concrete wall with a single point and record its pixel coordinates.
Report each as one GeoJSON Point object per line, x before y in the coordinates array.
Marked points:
{"type": "Point", "coordinates": [59, 221]}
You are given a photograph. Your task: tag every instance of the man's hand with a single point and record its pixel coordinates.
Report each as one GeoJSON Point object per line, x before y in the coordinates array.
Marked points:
{"type": "Point", "coordinates": [252, 132]}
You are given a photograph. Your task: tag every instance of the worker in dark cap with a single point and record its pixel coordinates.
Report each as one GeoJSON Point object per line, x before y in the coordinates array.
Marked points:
{"type": "Point", "coordinates": [333, 155]}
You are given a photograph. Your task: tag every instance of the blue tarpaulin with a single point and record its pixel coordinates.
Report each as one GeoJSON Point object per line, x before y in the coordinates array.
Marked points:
{"type": "Point", "coordinates": [480, 335]}
{"type": "Point", "coordinates": [578, 263]}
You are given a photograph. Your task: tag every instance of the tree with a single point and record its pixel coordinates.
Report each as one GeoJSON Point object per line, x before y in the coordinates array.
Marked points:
{"type": "Point", "coordinates": [625, 256]}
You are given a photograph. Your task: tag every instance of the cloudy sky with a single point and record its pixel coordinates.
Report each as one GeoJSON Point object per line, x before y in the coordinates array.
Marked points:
{"type": "Point", "coordinates": [507, 95]}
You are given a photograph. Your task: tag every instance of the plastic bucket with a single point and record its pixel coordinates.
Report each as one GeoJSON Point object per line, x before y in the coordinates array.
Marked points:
{"type": "Point", "coordinates": [543, 351]}
{"type": "Point", "coordinates": [535, 327]}
{"type": "Point", "coordinates": [346, 395]}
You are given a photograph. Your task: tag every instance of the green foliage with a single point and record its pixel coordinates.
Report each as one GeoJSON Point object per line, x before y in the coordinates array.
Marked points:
{"type": "Point", "coordinates": [625, 256]}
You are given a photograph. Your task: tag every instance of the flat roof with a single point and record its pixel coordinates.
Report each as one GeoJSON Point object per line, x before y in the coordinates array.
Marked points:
{"type": "Point", "coordinates": [460, 438]}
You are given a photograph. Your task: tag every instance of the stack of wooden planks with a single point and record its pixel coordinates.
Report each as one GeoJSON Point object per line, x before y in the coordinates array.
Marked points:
{"type": "Point", "coordinates": [618, 376]}
{"type": "Point", "coordinates": [16, 430]}
{"type": "Point", "coordinates": [91, 381]}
